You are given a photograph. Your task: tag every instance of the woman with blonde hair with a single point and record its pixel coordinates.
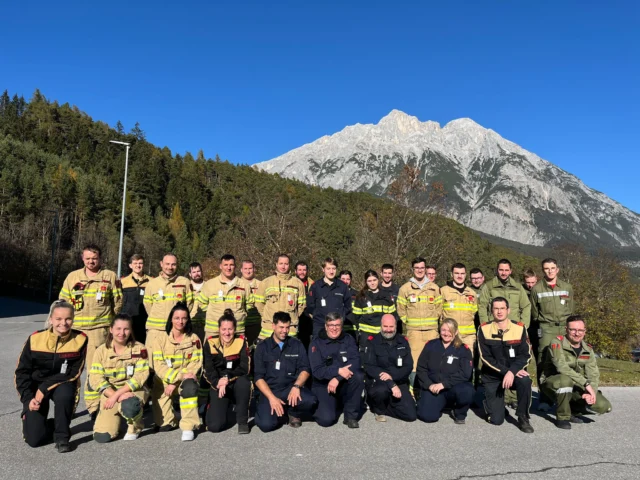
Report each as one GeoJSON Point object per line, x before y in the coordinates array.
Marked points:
{"type": "Point", "coordinates": [444, 372]}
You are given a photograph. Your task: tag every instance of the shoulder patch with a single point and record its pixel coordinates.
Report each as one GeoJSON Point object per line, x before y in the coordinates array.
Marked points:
{"type": "Point", "coordinates": [483, 324]}
{"type": "Point", "coordinates": [520, 323]}
{"type": "Point", "coordinates": [370, 337]}
{"type": "Point", "coordinates": [82, 333]}
{"type": "Point", "coordinates": [560, 337]}
{"type": "Point", "coordinates": [196, 343]}
{"type": "Point", "coordinates": [589, 345]}
{"type": "Point", "coordinates": [210, 337]}
{"type": "Point", "coordinates": [144, 354]}
{"type": "Point", "coordinates": [466, 346]}
{"type": "Point", "coordinates": [241, 336]}
{"type": "Point", "coordinates": [406, 338]}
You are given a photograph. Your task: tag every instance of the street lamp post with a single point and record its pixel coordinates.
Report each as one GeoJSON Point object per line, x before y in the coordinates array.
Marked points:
{"type": "Point", "coordinates": [124, 200]}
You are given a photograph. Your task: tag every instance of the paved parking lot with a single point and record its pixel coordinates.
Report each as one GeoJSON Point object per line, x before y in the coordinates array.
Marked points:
{"type": "Point", "coordinates": [606, 448]}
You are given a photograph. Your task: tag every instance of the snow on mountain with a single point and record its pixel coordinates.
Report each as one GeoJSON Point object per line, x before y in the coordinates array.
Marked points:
{"type": "Point", "coordinates": [492, 184]}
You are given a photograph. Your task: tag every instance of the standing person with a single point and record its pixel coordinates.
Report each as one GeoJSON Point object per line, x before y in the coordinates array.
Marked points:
{"type": "Point", "coordinates": [420, 308]}
{"type": "Point", "coordinates": [119, 372]}
{"type": "Point", "coordinates": [226, 370]}
{"type": "Point", "coordinates": [252, 323]}
{"type": "Point", "coordinates": [96, 296]}
{"type": "Point", "coordinates": [305, 322]}
{"type": "Point", "coordinates": [445, 382]}
{"type": "Point", "coordinates": [48, 369]}
{"type": "Point", "coordinates": [460, 303]}
{"type": "Point", "coordinates": [198, 316]}
{"type": "Point", "coordinates": [552, 303]}
{"type": "Point", "coordinates": [281, 292]}
{"type": "Point", "coordinates": [571, 375]}
{"type": "Point", "coordinates": [338, 381]}
{"type": "Point", "coordinates": [301, 270]}
{"type": "Point", "coordinates": [226, 291]}
{"type": "Point", "coordinates": [162, 294]}
{"type": "Point", "coordinates": [477, 280]}
{"type": "Point", "coordinates": [432, 273]}
{"type": "Point", "coordinates": [350, 325]}
{"type": "Point", "coordinates": [177, 363]}
{"type": "Point", "coordinates": [371, 303]}
{"type": "Point", "coordinates": [388, 364]}
{"type": "Point", "coordinates": [133, 287]}
{"type": "Point", "coordinates": [503, 285]}
{"type": "Point", "coordinates": [328, 295]}
{"type": "Point", "coordinates": [387, 284]}
{"type": "Point", "coordinates": [281, 371]}
{"type": "Point", "coordinates": [505, 352]}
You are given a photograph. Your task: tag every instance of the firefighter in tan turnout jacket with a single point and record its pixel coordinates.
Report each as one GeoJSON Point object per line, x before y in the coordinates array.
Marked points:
{"type": "Point", "coordinates": [460, 303]}
{"type": "Point", "coordinates": [96, 297]}
{"type": "Point", "coordinates": [282, 292]}
{"type": "Point", "coordinates": [161, 295]}
{"type": "Point", "coordinates": [420, 308]}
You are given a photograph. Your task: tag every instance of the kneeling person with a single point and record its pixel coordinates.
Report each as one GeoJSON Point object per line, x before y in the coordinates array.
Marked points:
{"type": "Point", "coordinates": [281, 370]}
{"type": "Point", "coordinates": [505, 353]}
{"type": "Point", "coordinates": [444, 370]}
{"type": "Point", "coordinates": [388, 364]}
{"type": "Point", "coordinates": [119, 370]}
{"type": "Point", "coordinates": [226, 369]}
{"type": "Point", "coordinates": [338, 381]}
{"type": "Point", "coordinates": [571, 375]}
{"type": "Point", "coordinates": [177, 362]}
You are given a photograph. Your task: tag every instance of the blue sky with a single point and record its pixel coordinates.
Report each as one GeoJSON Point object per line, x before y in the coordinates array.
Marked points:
{"type": "Point", "coordinates": [250, 81]}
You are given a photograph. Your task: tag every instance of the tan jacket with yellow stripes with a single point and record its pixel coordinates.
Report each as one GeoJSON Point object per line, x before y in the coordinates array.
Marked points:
{"type": "Point", "coordinates": [96, 300]}
{"type": "Point", "coordinates": [217, 295]}
{"type": "Point", "coordinates": [461, 307]}
{"type": "Point", "coordinates": [110, 370]}
{"type": "Point", "coordinates": [160, 297]}
{"type": "Point", "coordinates": [420, 308]}
{"type": "Point", "coordinates": [171, 360]}
{"type": "Point", "coordinates": [280, 293]}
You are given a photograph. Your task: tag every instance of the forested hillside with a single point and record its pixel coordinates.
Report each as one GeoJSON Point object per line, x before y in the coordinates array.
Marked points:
{"type": "Point", "coordinates": [57, 168]}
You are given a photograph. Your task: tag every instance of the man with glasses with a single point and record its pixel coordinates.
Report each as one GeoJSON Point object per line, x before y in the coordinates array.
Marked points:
{"type": "Point", "coordinates": [477, 279]}
{"type": "Point", "coordinates": [570, 376]}
{"type": "Point", "coordinates": [420, 308]}
{"type": "Point", "coordinates": [338, 380]}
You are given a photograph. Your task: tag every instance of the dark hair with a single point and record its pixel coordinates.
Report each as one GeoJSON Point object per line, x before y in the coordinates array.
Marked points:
{"type": "Point", "coordinates": [228, 316]}
{"type": "Point", "coordinates": [179, 307]}
{"type": "Point", "coordinates": [417, 260]}
{"type": "Point", "coordinates": [281, 317]}
{"type": "Point", "coordinates": [329, 261]}
{"type": "Point", "coordinates": [195, 265]}
{"type": "Point", "coordinates": [92, 247]}
{"type": "Point", "coordinates": [549, 260]}
{"type": "Point", "coordinates": [528, 273]}
{"type": "Point", "coordinates": [283, 255]}
{"type": "Point", "coordinates": [575, 318]}
{"type": "Point", "coordinates": [331, 316]}
{"type": "Point", "coordinates": [504, 261]}
{"type": "Point", "coordinates": [136, 256]}
{"type": "Point", "coordinates": [458, 265]}
{"type": "Point", "coordinates": [298, 264]}
{"type": "Point", "coordinates": [346, 272]}
{"type": "Point", "coordinates": [226, 257]}
{"type": "Point", "coordinates": [362, 294]}
{"type": "Point", "coordinates": [119, 318]}
{"type": "Point", "coordinates": [386, 266]}
{"type": "Point", "coordinates": [499, 299]}
{"type": "Point", "coordinates": [170, 254]}
{"type": "Point", "coordinates": [476, 270]}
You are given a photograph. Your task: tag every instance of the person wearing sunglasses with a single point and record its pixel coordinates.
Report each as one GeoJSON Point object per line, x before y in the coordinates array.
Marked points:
{"type": "Point", "coordinates": [571, 376]}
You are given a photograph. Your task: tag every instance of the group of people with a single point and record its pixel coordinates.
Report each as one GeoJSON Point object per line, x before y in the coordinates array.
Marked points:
{"type": "Point", "coordinates": [312, 349]}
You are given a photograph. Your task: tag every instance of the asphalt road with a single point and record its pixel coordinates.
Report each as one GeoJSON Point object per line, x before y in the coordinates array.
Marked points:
{"type": "Point", "coordinates": [605, 448]}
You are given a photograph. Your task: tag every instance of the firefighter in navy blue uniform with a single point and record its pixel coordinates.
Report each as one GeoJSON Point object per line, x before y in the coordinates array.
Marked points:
{"type": "Point", "coordinates": [327, 295]}
{"type": "Point", "coordinates": [350, 326]}
{"type": "Point", "coordinates": [49, 368]}
{"type": "Point", "coordinates": [226, 369]}
{"type": "Point", "coordinates": [505, 352]}
{"type": "Point", "coordinates": [133, 287]}
{"type": "Point", "coordinates": [338, 380]}
{"type": "Point", "coordinates": [444, 370]}
{"type": "Point", "coordinates": [371, 303]}
{"type": "Point", "coordinates": [388, 364]}
{"type": "Point", "coordinates": [281, 370]}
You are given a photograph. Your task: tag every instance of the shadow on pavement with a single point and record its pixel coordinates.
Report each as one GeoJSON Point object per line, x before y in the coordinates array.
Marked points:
{"type": "Point", "coordinates": [15, 307]}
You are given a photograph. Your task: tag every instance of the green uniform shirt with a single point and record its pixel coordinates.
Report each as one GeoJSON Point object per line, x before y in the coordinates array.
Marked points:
{"type": "Point", "coordinates": [552, 305]}
{"type": "Point", "coordinates": [515, 295]}
{"type": "Point", "coordinates": [562, 359]}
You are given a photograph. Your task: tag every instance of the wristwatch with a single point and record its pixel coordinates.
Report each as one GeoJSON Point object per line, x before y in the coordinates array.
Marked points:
{"type": "Point", "coordinates": [295, 385]}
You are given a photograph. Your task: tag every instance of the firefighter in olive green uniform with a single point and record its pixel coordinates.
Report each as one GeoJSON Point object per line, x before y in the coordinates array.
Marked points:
{"type": "Point", "coordinates": [571, 376]}
{"type": "Point", "coordinates": [503, 285]}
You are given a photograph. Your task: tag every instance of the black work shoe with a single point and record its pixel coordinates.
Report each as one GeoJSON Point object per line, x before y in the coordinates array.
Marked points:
{"type": "Point", "coordinates": [457, 421]}
{"type": "Point", "coordinates": [513, 406]}
{"type": "Point", "coordinates": [524, 425]}
{"type": "Point", "coordinates": [576, 420]}
{"type": "Point", "coordinates": [294, 422]}
{"type": "Point", "coordinates": [351, 423]}
{"type": "Point", "coordinates": [243, 428]}
{"type": "Point", "coordinates": [164, 428]}
{"type": "Point", "coordinates": [63, 447]}
{"type": "Point", "coordinates": [563, 424]}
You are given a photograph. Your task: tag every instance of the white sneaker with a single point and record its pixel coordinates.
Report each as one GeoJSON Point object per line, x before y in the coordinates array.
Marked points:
{"type": "Point", "coordinates": [188, 435]}
{"type": "Point", "coordinates": [130, 436]}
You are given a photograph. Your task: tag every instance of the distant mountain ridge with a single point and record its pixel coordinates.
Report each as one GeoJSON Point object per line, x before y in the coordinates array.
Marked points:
{"type": "Point", "coordinates": [493, 185]}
